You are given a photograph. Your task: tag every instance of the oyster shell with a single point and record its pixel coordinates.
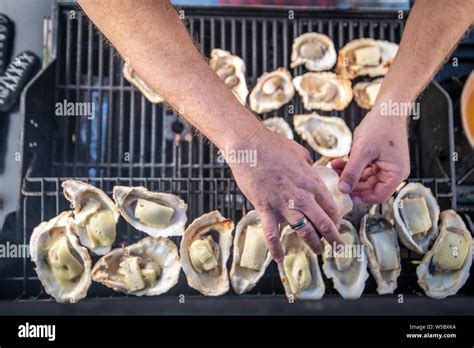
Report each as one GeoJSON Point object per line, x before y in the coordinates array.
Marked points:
{"type": "Point", "coordinates": [329, 136]}
{"type": "Point", "coordinates": [95, 215]}
{"type": "Point", "coordinates": [155, 213]}
{"type": "Point", "coordinates": [62, 264]}
{"type": "Point", "coordinates": [231, 70]}
{"type": "Point", "coordinates": [416, 214]}
{"type": "Point", "coordinates": [365, 57]}
{"type": "Point", "coordinates": [272, 91]}
{"type": "Point", "coordinates": [383, 251]}
{"type": "Point", "coordinates": [136, 81]}
{"type": "Point", "coordinates": [149, 267]}
{"type": "Point", "coordinates": [299, 271]}
{"type": "Point", "coordinates": [445, 268]}
{"type": "Point", "coordinates": [315, 51]}
{"type": "Point", "coordinates": [323, 91]}
{"type": "Point", "coordinates": [346, 267]}
{"type": "Point", "coordinates": [365, 93]}
{"type": "Point", "coordinates": [280, 126]}
{"type": "Point", "coordinates": [205, 248]}
{"type": "Point", "coordinates": [251, 256]}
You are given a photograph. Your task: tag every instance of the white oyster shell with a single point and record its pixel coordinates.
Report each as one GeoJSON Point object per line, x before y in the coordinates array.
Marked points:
{"type": "Point", "coordinates": [279, 125]}
{"type": "Point", "coordinates": [126, 198]}
{"type": "Point", "coordinates": [441, 283]}
{"type": "Point", "coordinates": [78, 193]}
{"type": "Point", "coordinates": [161, 251]}
{"type": "Point", "coordinates": [244, 279]}
{"type": "Point", "coordinates": [364, 99]}
{"type": "Point", "coordinates": [41, 240]}
{"type": "Point", "coordinates": [272, 91]}
{"type": "Point", "coordinates": [316, 51]}
{"type": "Point", "coordinates": [327, 135]}
{"type": "Point", "coordinates": [211, 223]}
{"type": "Point", "coordinates": [230, 69]}
{"type": "Point", "coordinates": [132, 77]}
{"type": "Point", "coordinates": [323, 91]}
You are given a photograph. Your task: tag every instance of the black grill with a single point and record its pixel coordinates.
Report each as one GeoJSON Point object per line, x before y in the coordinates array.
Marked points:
{"type": "Point", "coordinates": [132, 142]}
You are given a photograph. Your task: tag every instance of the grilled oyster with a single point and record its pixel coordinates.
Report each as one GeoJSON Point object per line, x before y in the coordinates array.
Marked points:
{"type": "Point", "coordinates": [251, 256]}
{"type": "Point", "coordinates": [62, 264]}
{"type": "Point", "coordinates": [272, 91]}
{"type": "Point", "coordinates": [323, 91]}
{"type": "Point", "coordinates": [416, 215]}
{"type": "Point", "coordinates": [95, 215]}
{"type": "Point", "coordinates": [231, 70]}
{"type": "Point", "coordinates": [383, 251]}
{"type": "Point", "coordinates": [315, 51]}
{"type": "Point", "coordinates": [365, 57]}
{"type": "Point", "coordinates": [347, 267]}
{"type": "Point", "coordinates": [365, 93]}
{"type": "Point", "coordinates": [204, 250]}
{"type": "Point", "coordinates": [135, 80]}
{"type": "Point", "coordinates": [155, 213]}
{"type": "Point", "coordinates": [445, 268]}
{"type": "Point", "coordinates": [299, 271]}
{"type": "Point", "coordinates": [149, 267]}
{"type": "Point", "coordinates": [329, 136]}
{"type": "Point", "coordinates": [280, 126]}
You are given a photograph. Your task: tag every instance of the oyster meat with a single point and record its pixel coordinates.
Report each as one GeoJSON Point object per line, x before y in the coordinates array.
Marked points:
{"type": "Point", "coordinates": [231, 70]}
{"type": "Point", "coordinates": [445, 268]}
{"type": "Point", "coordinates": [272, 91]}
{"type": "Point", "coordinates": [95, 215]}
{"type": "Point", "coordinates": [365, 93]}
{"type": "Point", "coordinates": [279, 125]}
{"type": "Point", "coordinates": [299, 271]}
{"type": "Point", "coordinates": [416, 214]}
{"type": "Point", "coordinates": [383, 251]}
{"type": "Point", "coordinates": [347, 267]}
{"type": "Point", "coordinates": [251, 256]}
{"type": "Point", "coordinates": [149, 267]}
{"type": "Point", "coordinates": [315, 51]}
{"type": "Point", "coordinates": [155, 213]}
{"type": "Point", "coordinates": [62, 264]}
{"type": "Point", "coordinates": [327, 135]}
{"type": "Point", "coordinates": [205, 249]}
{"type": "Point", "coordinates": [136, 81]}
{"type": "Point", "coordinates": [365, 57]}
{"type": "Point", "coordinates": [323, 91]}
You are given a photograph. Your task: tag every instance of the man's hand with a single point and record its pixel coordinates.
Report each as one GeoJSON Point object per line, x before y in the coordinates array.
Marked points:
{"type": "Point", "coordinates": [379, 159]}
{"type": "Point", "coordinates": [282, 186]}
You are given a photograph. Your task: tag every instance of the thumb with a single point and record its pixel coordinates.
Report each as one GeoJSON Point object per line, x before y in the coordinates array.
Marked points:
{"type": "Point", "coordinates": [352, 172]}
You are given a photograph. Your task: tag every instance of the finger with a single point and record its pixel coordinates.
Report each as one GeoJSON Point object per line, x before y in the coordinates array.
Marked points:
{"type": "Point", "coordinates": [380, 193]}
{"type": "Point", "coordinates": [323, 224]}
{"type": "Point", "coordinates": [270, 226]}
{"type": "Point", "coordinates": [366, 185]}
{"type": "Point", "coordinates": [339, 164]}
{"type": "Point", "coordinates": [307, 233]}
{"type": "Point", "coordinates": [354, 168]}
{"type": "Point", "coordinates": [323, 197]}
{"type": "Point", "coordinates": [307, 156]}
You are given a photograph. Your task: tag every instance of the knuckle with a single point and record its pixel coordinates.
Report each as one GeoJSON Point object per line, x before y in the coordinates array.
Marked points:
{"type": "Point", "coordinates": [272, 238]}
{"type": "Point", "coordinates": [305, 233]}
{"type": "Point", "coordinates": [325, 226]}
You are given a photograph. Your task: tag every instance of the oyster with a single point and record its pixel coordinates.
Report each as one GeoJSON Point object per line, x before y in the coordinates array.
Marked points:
{"type": "Point", "coordinates": [416, 214]}
{"type": "Point", "coordinates": [365, 93]}
{"type": "Point", "coordinates": [329, 136]}
{"type": "Point", "coordinates": [383, 251]}
{"type": "Point", "coordinates": [231, 70]}
{"type": "Point", "coordinates": [95, 215]}
{"type": "Point", "coordinates": [135, 80]}
{"type": "Point", "coordinates": [365, 57]}
{"type": "Point", "coordinates": [251, 256]}
{"type": "Point", "coordinates": [62, 264]}
{"type": "Point", "coordinates": [347, 267]}
{"type": "Point", "coordinates": [323, 91]}
{"type": "Point", "coordinates": [204, 250]}
{"type": "Point", "coordinates": [280, 126]}
{"type": "Point", "coordinates": [299, 271]}
{"type": "Point", "coordinates": [272, 91]}
{"type": "Point", "coordinates": [149, 267]}
{"type": "Point", "coordinates": [445, 268]}
{"type": "Point", "coordinates": [155, 213]}
{"type": "Point", "coordinates": [315, 51]}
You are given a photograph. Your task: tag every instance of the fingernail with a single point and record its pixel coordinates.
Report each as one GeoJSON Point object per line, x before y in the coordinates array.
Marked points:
{"type": "Point", "coordinates": [344, 187]}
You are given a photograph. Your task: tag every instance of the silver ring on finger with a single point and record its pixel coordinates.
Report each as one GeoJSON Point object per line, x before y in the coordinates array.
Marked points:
{"type": "Point", "coordinates": [300, 224]}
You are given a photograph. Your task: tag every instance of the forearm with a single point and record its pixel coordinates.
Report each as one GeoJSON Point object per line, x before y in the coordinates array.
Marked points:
{"type": "Point", "coordinates": [155, 41]}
